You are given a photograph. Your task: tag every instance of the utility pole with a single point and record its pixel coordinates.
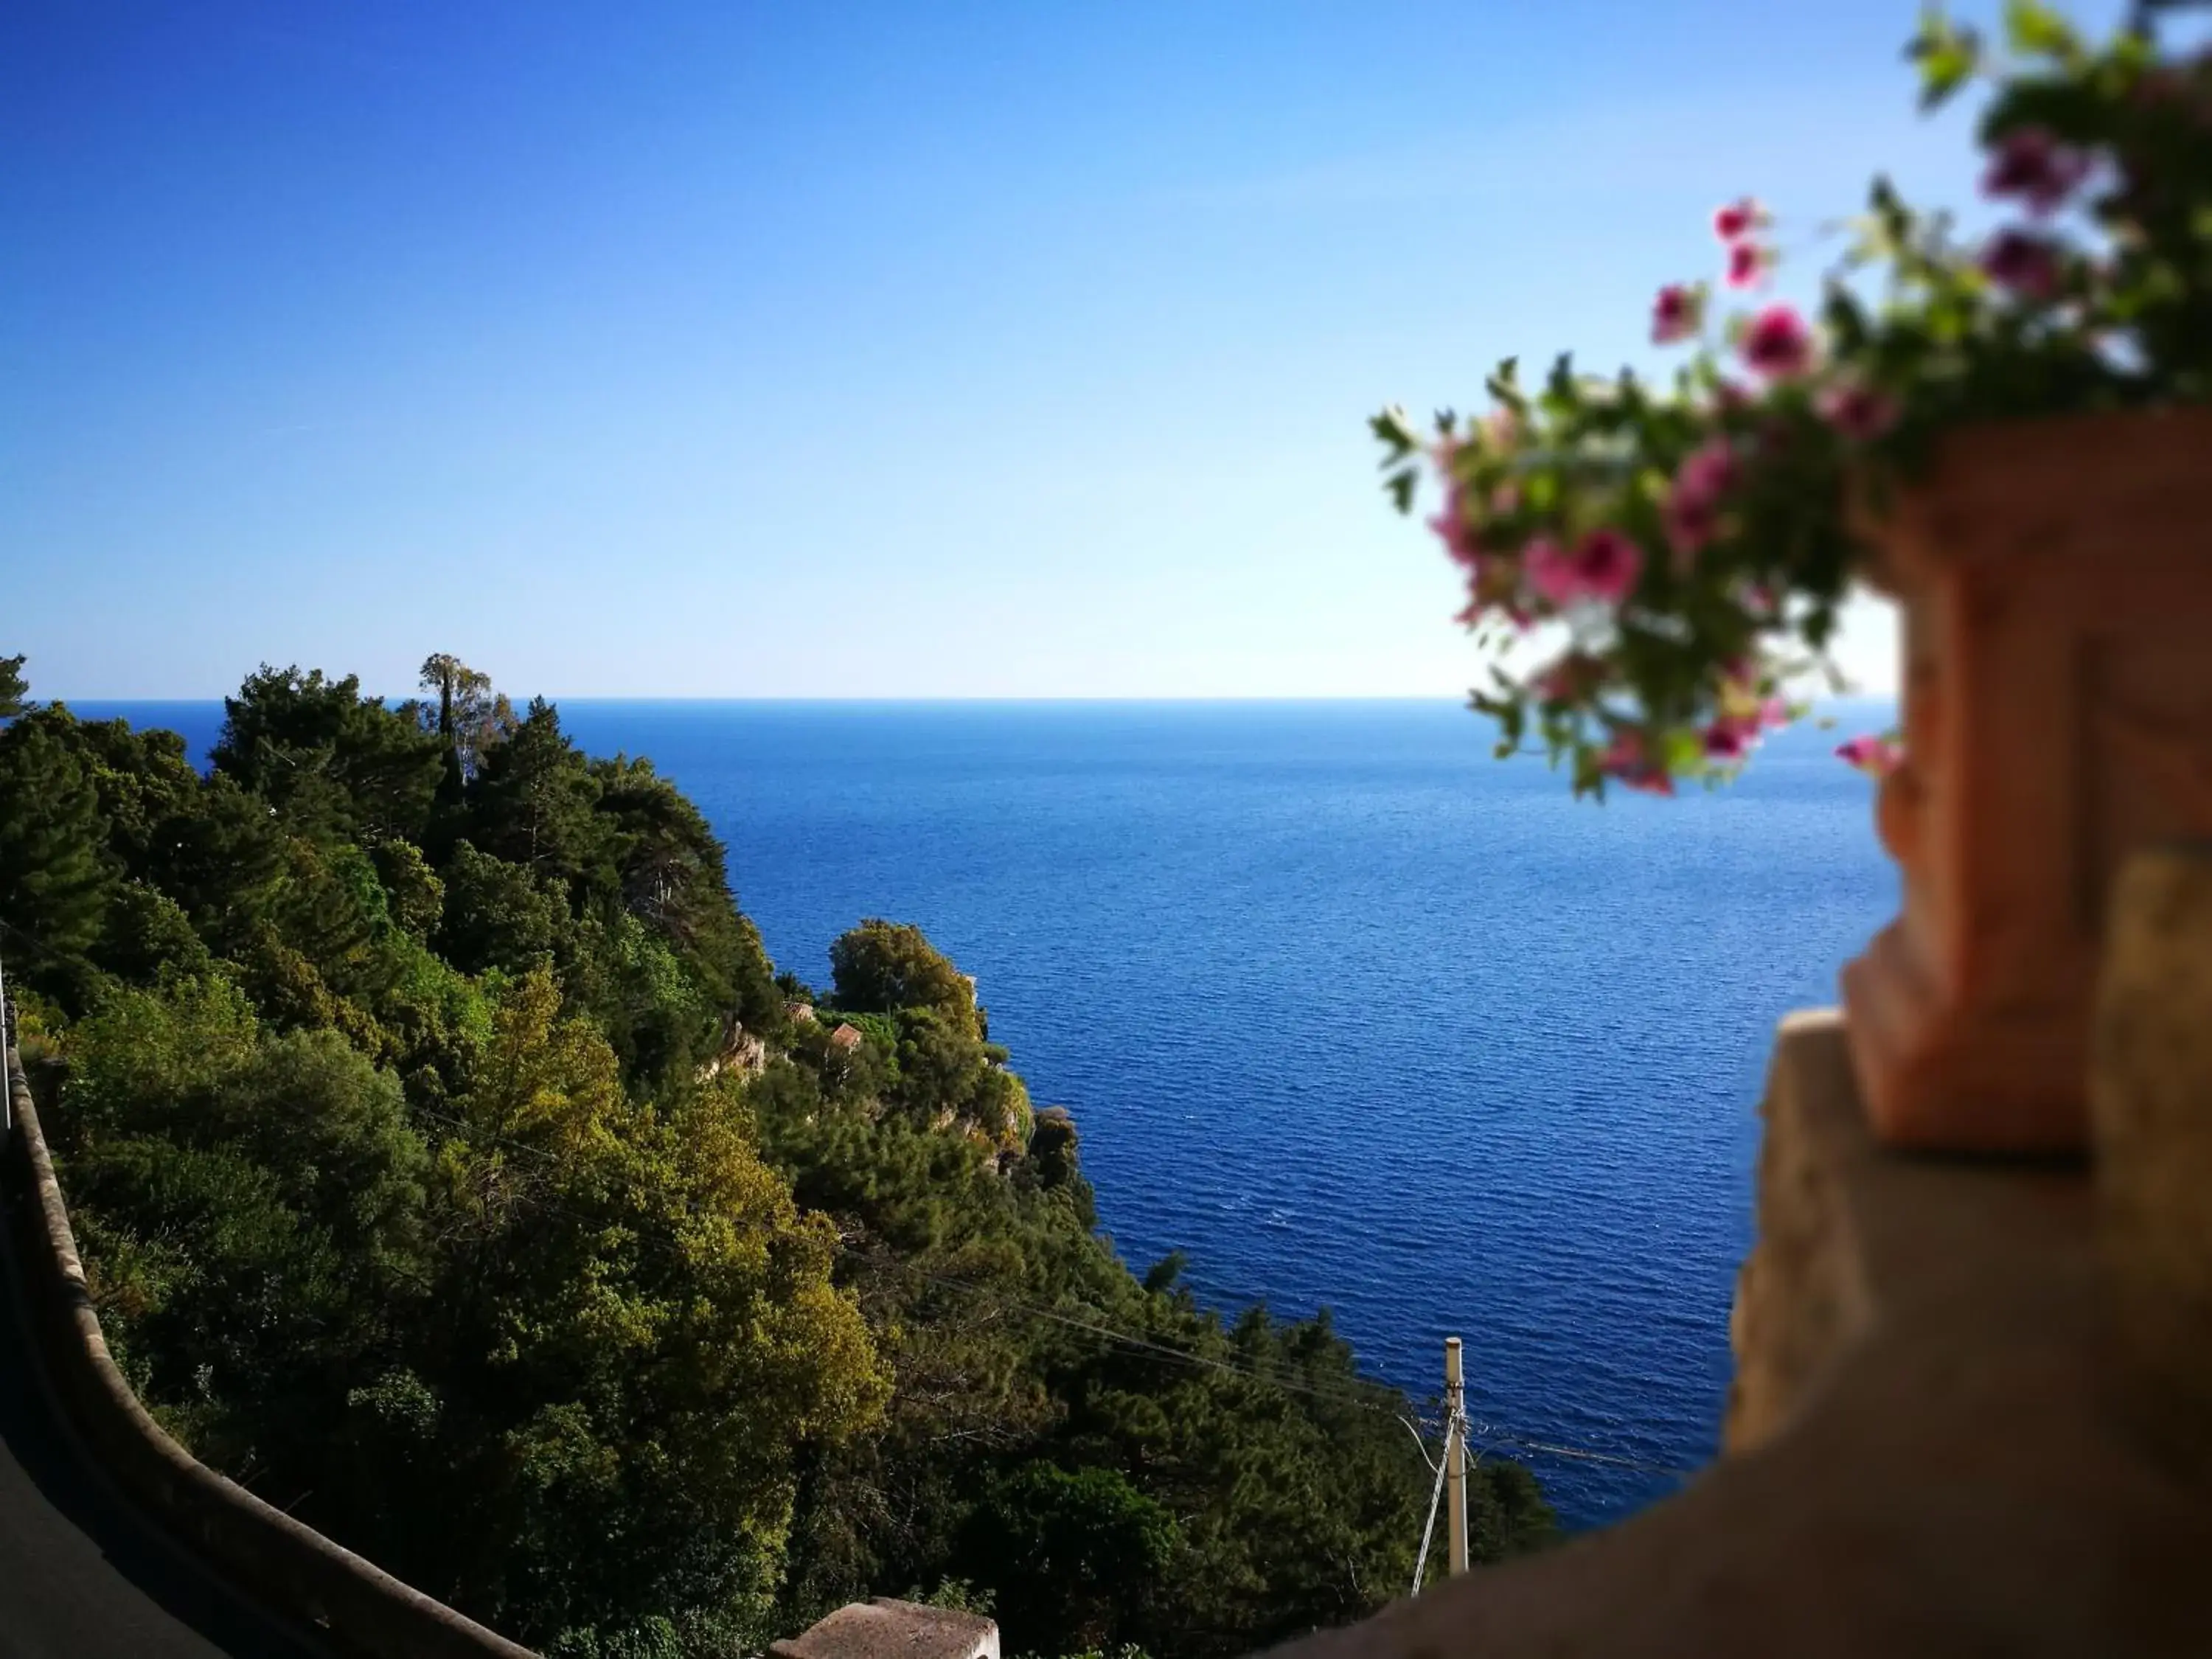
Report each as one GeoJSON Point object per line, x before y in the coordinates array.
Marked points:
{"type": "Point", "coordinates": [1455, 1453]}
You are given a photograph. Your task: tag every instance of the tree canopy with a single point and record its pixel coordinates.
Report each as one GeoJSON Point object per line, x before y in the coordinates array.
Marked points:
{"type": "Point", "coordinates": [449, 1172]}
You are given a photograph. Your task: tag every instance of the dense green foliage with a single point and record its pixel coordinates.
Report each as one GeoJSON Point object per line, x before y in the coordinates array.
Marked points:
{"type": "Point", "coordinates": [454, 1171]}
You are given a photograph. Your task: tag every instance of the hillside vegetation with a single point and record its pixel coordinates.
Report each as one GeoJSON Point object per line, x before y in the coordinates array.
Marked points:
{"type": "Point", "coordinates": [456, 1172]}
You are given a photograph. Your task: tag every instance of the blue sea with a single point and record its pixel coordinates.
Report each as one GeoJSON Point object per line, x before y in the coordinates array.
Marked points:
{"type": "Point", "coordinates": [1350, 1013]}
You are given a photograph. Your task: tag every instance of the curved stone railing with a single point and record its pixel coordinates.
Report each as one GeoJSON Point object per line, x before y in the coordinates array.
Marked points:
{"type": "Point", "coordinates": [352, 1604]}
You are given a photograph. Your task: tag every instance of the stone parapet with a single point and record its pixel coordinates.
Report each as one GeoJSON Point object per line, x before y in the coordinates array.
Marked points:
{"type": "Point", "coordinates": [1928, 1456]}
{"type": "Point", "coordinates": [352, 1604]}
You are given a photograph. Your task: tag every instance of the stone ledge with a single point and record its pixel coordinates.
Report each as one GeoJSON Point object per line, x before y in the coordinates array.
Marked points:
{"type": "Point", "coordinates": [1925, 1456]}
{"type": "Point", "coordinates": [351, 1603]}
{"type": "Point", "coordinates": [888, 1629]}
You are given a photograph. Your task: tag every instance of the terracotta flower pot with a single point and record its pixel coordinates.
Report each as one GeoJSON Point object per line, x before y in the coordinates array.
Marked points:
{"type": "Point", "coordinates": [2056, 582]}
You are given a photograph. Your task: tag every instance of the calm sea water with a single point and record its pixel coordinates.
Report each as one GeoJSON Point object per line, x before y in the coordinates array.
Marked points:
{"type": "Point", "coordinates": [1347, 1010]}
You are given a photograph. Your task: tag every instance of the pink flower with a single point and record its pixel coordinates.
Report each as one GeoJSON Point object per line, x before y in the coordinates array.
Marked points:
{"type": "Point", "coordinates": [1876, 756]}
{"type": "Point", "coordinates": [1777, 344]}
{"type": "Point", "coordinates": [1691, 522]}
{"type": "Point", "coordinates": [1603, 567]}
{"type": "Point", "coordinates": [2025, 264]}
{"type": "Point", "coordinates": [1855, 410]}
{"type": "Point", "coordinates": [1608, 564]}
{"type": "Point", "coordinates": [2031, 164]}
{"type": "Point", "coordinates": [1623, 759]}
{"type": "Point", "coordinates": [1550, 571]}
{"type": "Point", "coordinates": [1692, 514]}
{"type": "Point", "coordinates": [1730, 738]}
{"type": "Point", "coordinates": [1708, 472]}
{"type": "Point", "coordinates": [1774, 712]}
{"type": "Point", "coordinates": [1738, 219]}
{"type": "Point", "coordinates": [1746, 264]}
{"type": "Point", "coordinates": [1677, 314]}
{"type": "Point", "coordinates": [1459, 537]}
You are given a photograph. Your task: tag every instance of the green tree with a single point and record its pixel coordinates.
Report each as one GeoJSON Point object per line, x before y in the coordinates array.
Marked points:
{"type": "Point", "coordinates": [643, 1327]}
{"type": "Point", "coordinates": [414, 897]}
{"type": "Point", "coordinates": [142, 779]}
{"type": "Point", "coordinates": [881, 967]}
{"type": "Point", "coordinates": [469, 718]}
{"type": "Point", "coordinates": [495, 915]}
{"type": "Point", "coordinates": [222, 855]}
{"type": "Point", "coordinates": [252, 1206]}
{"type": "Point", "coordinates": [146, 934]}
{"type": "Point", "coordinates": [56, 875]}
{"type": "Point", "coordinates": [1075, 1550]}
{"type": "Point", "coordinates": [325, 755]}
{"type": "Point", "coordinates": [533, 804]}
{"type": "Point", "coordinates": [672, 877]}
{"type": "Point", "coordinates": [15, 691]}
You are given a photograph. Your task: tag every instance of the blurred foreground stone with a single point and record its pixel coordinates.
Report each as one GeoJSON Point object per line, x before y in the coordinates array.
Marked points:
{"type": "Point", "coordinates": [1929, 1445]}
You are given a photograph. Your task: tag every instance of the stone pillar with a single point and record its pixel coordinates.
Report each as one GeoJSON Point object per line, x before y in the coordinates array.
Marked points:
{"type": "Point", "coordinates": [2151, 1113]}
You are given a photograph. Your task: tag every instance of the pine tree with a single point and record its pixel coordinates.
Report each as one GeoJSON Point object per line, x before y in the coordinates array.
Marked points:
{"type": "Point", "coordinates": [12, 687]}
{"type": "Point", "coordinates": [55, 877]}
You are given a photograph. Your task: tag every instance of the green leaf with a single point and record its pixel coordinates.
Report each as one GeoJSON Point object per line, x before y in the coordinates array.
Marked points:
{"type": "Point", "coordinates": [1395, 430]}
{"type": "Point", "coordinates": [1503, 385]}
{"type": "Point", "coordinates": [1401, 486]}
{"type": "Point", "coordinates": [1561, 385]}
{"type": "Point", "coordinates": [1947, 56]}
{"type": "Point", "coordinates": [2035, 30]}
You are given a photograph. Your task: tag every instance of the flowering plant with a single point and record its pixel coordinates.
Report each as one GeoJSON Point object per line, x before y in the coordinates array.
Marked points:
{"type": "Point", "coordinates": [1694, 543]}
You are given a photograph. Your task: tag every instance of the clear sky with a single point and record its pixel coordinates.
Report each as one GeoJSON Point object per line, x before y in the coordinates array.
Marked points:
{"type": "Point", "coordinates": [696, 348]}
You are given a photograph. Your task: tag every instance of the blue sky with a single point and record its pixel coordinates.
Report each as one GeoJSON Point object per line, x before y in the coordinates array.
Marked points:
{"type": "Point", "coordinates": [931, 349]}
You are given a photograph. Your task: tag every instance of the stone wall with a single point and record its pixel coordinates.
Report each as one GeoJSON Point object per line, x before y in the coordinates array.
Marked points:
{"type": "Point", "coordinates": [354, 1606]}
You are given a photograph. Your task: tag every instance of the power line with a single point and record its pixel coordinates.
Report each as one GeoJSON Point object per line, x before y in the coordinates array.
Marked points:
{"type": "Point", "coordinates": [1497, 1441]}
{"type": "Point", "coordinates": [1584, 1454]}
{"type": "Point", "coordinates": [1341, 1397]}
{"type": "Point", "coordinates": [1429, 1526]}
{"type": "Point", "coordinates": [1421, 1446]}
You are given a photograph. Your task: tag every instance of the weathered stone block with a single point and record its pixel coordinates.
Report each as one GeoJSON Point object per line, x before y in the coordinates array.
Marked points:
{"type": "Point", "coordinates": [2151, 1113]}
{"type": "Point", "coordinates": [888, 1629]}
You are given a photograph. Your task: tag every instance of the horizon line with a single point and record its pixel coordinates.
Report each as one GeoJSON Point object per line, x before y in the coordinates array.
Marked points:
{"type": "Point", "coordinates": [1460, 700]}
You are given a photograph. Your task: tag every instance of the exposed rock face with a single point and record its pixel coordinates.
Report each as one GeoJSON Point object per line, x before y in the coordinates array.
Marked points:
{"type": "Point", "coordinates": [740, 1052]}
